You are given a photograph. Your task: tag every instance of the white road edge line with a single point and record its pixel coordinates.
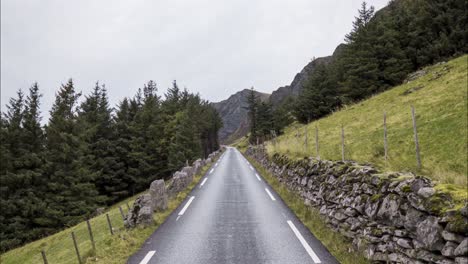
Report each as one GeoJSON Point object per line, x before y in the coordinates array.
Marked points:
{"type": "Point", "coordinates": [258, 177]}
{"type": "Point", "coordinates": [211, 171]}
{"type": "Point", "coordinates": [304, 243]}
{"type": "Point", "coordinates": [251, 167]}
{"type": "Point", "coordinates": [186, 205]}
{"type": "Point", "coordinates": [203, 182]}
{"type": "Point", "coordinates": [148, 256]}
{"type": "Point", "coordinates": [269, 194]}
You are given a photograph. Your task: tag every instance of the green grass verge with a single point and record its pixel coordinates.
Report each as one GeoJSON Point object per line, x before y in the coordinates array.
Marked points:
{"type": "Point", "coordinates": [109, 248]}
{"type": "Point", "coordinates": [440, 100]}
{"type": "Point", "coordinates": [338, 245]}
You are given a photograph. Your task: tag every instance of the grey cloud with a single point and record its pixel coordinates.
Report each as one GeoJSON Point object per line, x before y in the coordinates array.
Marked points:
{"type": "Point", "coordinates": [213, 47]}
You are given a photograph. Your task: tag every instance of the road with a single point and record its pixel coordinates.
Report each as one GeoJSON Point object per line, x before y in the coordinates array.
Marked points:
{"type": "Point", "coordinates": [232, 216]}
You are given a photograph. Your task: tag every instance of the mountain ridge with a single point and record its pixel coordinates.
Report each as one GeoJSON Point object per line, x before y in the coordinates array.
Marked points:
{"type": "Point", "coordinates": [232, 110]}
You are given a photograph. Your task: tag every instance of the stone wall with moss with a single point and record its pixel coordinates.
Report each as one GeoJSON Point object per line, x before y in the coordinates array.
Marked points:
{"type": "Point", "coordinates": [391, 217]}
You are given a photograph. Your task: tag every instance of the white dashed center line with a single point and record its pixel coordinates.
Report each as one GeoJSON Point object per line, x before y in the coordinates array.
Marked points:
{"type": "Point", "coordinates": [258, 177]}
{"type": "Point", "coordinates": [269, 194]}
{"type": "Point", "coordinates": [304, 243]}
{"type": "Point", "coordinates": [147, 257]}
{"type": "Point", "coordinates": [211, 171]}
{"type": "Point", "coordinates": [186, 206]}
{"type": "Point", "coordinates": [203, 182]}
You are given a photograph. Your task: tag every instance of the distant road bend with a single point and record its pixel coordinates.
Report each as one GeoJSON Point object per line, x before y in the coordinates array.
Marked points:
{"type": "Point", "coordinates": [232, 216]}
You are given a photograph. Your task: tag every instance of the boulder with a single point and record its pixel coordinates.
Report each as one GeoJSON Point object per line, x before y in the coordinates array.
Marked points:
{"type": "Point", "coordinates": [178, 183]}
{"type": "Point", "coordinates": [141, 212]}
{"type": "Point", "coordinates": [158, 195]}
{"type": "Point", "coordinates": [189, 170]}
{"type": "Point", "coordinates": [429, 233]}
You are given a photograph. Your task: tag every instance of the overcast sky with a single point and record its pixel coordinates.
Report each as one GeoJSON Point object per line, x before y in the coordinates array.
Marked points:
{"type": "Point", "coordinates": [212, 47]}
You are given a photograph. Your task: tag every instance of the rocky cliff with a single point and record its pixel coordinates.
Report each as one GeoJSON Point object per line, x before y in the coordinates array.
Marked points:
{"type": "Point", "coordinates": [233, 112]}
{"type": "Point", "coordinates": [295, 88]}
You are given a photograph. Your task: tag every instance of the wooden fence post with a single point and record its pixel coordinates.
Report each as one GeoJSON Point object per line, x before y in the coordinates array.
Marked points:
{"type": "Point", "coordinates": [121, 212]}
{"type": "Point", "coordinates": [385, 135]}
{"type": "Point", "coordinates": [342, 144]}
{"type": "Point", "coordinates": [44, 258]}
{"type": "Point", "coordinates": [128, 207]}
{"type": "Point", "coordinates": [416, 141]}
{"type": "Point", "coordinates": [317, 142]}
{"type": "Point", "coordinates": [76, 247]}
{"type": "Point", "coordinates": [110, 224]}
{"type": "Point", "coordinates": [91, 237]}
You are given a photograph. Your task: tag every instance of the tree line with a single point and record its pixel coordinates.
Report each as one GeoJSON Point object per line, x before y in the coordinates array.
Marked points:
{"type": "Point", "coordinates": [380, 51]}
{"type": "Point", "coordinates": [91, 155]}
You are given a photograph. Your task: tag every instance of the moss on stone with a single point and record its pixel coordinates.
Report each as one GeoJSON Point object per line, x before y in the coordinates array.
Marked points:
{"type": "Point", "coordinates": [438, 203]}
{"type": "Point", "coordinates": [457, 193]}
{"type": "Point", "coordinates": [406, 189]}
{"type": "Point", "coordinates": [457, 223]}
{"type": "Point", "coordinates": [376, 232]}
{"type": "Point", "coordinates": [403, 177]}
{"type": "Point", "coordinates": [376, 197]}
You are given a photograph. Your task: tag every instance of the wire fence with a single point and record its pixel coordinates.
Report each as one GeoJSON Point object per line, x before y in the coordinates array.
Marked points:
{"type": "Point", "coordinates": [84, 238]}
{"type": "Point", "coordinates": [303, 138]}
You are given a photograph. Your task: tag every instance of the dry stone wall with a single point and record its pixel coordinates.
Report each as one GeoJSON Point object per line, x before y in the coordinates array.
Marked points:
{"type": "Point", "coordinates": [391, 218]}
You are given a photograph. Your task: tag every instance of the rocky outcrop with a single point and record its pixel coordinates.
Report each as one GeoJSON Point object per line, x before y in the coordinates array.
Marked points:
{"type": "Point", "coordinates": [233, 112]}
{"type": "Point", "coordinates": [392, 217]}
{"type": "Point", "coordinates": [295, 88]}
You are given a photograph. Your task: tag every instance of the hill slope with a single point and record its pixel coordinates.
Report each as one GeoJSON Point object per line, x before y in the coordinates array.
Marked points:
{"type": "Point", "coordinates": [440, 100]}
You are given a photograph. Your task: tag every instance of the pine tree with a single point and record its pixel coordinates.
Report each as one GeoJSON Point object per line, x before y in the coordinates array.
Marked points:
{"type": "Point", "coordinates": [252, 108]}
{"type": "Point", "coordinates": [72, 193]}
{"type": "Point", "coordinates": [98, 133]}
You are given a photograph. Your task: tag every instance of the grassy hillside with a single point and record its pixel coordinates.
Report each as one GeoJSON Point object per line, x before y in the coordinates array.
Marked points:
{"type": "Point", "coordinates": [440, 100]}
{"type": "Point", "coordinates": [109, 248]}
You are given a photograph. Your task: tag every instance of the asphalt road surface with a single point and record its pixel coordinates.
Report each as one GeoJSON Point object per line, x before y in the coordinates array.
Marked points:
{"type": "Point", "coordinates": [232, 216]}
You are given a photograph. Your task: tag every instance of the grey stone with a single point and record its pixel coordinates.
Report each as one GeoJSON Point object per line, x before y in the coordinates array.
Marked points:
{"type": "Point", "coordinates": [413, 218]}
{"type": "Point", "coordinates": [400, 233]}
{"type": "Point", "coordinates": [178, 183]}
{"type": "Point", "coordinates": [189, 170]}
{"type": "Point", "coordinates": [428, 256]}
{"type": "Point", "coordinates": [158, 195]}
{"type": "Point", "coordinates": [141, 213]}
{"type": "Point", "coordinates": [445, 261]}
{"type": "Point", "coordinates": [389, 209]}
{"type": "Point", "coordinates": [462, 249]}
{"type": "Point", "coordinates": [449, 249]}
{"type": "Point", "coordinates": [429, 232]}
{"type": "Point", "coordinates": [399, 258]}
{"type": "Point", "coordinates": [405, 243]}
{"type": "Point", "coordinates": [449, 236]}
{"type": "Point", "coordinates": [340, 216]}
{"type": "Point", "coordinates": [371, 208]}
{"type": "Point", "coordinates": [461, 260]}
{"type": "Point", "coordinates": [426, 192]}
